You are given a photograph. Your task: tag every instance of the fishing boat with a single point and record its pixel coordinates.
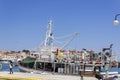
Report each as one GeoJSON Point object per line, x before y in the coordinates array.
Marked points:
{"type": "Point", "coordinates": [56, 59]}
{"type": "Point", "coordinates": [47, 53]}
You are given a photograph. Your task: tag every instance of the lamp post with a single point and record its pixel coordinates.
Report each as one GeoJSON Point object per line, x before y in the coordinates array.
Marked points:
{"type": "Point", "coordinates": [116, 22]}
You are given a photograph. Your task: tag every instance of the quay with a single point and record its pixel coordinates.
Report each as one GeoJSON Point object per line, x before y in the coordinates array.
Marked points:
{"type": "Point", "coordinates": [43, 76]}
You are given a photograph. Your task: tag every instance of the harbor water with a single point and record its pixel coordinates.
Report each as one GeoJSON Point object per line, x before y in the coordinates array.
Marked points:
{"type": "Point", "coordinates": [114, 69]}
{"type": "Point", "coordinates": [5, 67]}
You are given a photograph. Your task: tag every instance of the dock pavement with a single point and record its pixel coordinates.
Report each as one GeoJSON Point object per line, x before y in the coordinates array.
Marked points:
{"type": "Point", "coordinates": [42, 76]}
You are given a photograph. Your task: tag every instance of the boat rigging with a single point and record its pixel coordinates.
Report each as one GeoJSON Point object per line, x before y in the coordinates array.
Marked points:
{"type": "Point", "coordinates": [50, 40]}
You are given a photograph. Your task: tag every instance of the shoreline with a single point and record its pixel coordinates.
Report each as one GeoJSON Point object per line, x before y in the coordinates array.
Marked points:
{"type": "Point", "coordinates": [43, 76]}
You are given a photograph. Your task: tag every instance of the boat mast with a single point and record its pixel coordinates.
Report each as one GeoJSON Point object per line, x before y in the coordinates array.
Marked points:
{"type": "Point", "coordinates": [49, 39]}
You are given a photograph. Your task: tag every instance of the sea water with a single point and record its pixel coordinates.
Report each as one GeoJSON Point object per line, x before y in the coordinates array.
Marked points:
{"type": "Point", "coordinates": [5, 67]}
{"type": "Point", "coordinates": [113, 69]}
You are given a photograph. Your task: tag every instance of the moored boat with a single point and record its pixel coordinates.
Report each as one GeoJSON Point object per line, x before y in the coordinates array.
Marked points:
{"type": "Point", "coordinates": [55, 59]}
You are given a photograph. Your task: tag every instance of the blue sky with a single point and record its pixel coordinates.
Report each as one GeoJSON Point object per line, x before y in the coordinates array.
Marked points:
{"type": "Point", "coordinates": [23, 23]}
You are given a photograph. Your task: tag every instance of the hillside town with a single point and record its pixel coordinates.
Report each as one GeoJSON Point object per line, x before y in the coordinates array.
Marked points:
{"type": "Point", "coordinates": [12, 55]}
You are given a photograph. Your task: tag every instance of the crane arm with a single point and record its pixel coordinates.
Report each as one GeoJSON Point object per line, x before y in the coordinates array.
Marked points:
{"type": "Point", "coordinates": [67, 43]}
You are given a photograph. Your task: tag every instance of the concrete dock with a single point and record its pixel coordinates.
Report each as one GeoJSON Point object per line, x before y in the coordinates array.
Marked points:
{"type": "Point", "coordinates": [42, 76]}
